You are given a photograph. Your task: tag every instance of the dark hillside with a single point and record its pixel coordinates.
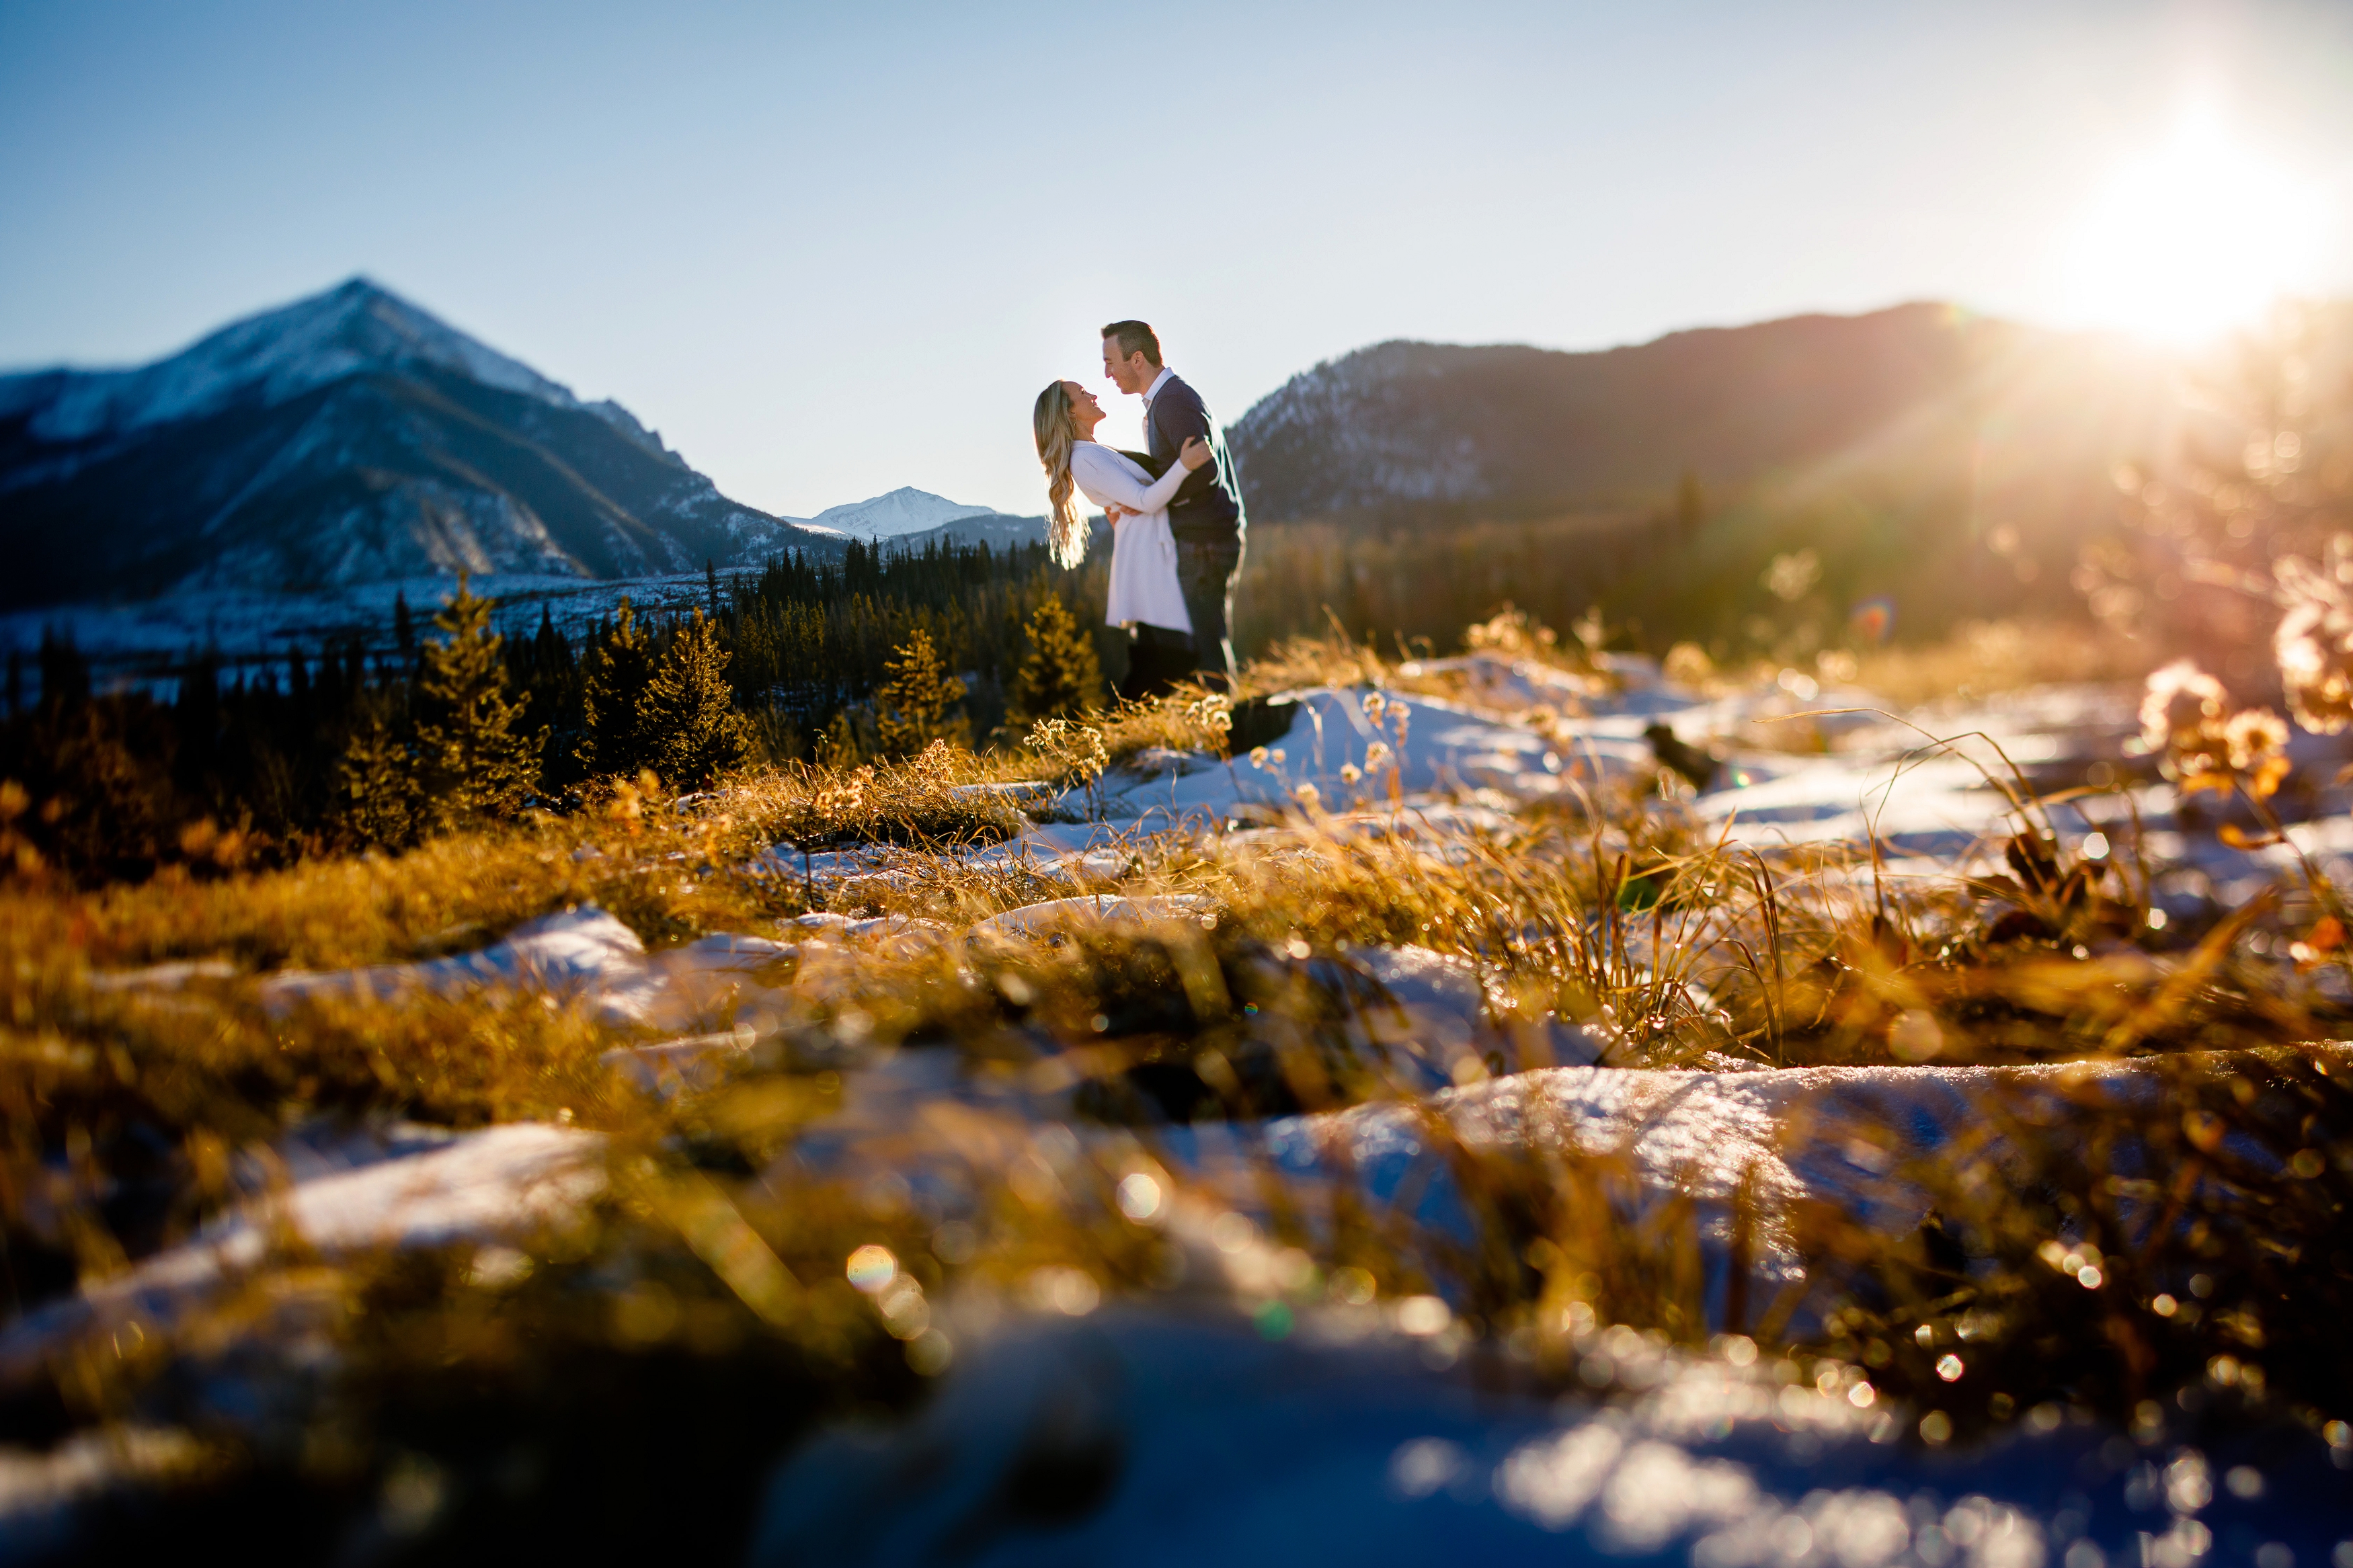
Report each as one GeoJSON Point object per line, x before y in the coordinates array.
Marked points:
{"type": "Point", "coordinates": [1522, 431]}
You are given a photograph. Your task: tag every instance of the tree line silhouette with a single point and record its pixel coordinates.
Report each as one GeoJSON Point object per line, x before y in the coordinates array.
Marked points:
{"type": "Point", "coordinates": [351, 746]}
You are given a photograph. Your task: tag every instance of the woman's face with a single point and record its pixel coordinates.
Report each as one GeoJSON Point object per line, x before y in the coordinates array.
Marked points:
{"type": "Point", "coordinates": [1085, 412]}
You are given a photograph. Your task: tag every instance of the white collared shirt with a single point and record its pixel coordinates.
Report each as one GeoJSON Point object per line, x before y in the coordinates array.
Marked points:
{"type": "Point", "coordinates": [1149, 393]}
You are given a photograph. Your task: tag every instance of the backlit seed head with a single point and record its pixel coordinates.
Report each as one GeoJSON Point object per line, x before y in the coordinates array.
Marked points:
{"type": "Point", "coordinates": [2313, 644]}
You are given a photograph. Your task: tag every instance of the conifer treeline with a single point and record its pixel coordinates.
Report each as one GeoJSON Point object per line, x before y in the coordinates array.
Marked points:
{"type": "Point", "coordinates": [361, 744]}
{"type": "Point", "coordinates": [350, 747]}
{"type": "Point", "coordinates": [812, 641]}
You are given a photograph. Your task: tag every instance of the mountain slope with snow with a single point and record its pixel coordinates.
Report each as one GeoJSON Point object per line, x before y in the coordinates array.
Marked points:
{"type": "Point", "coordinates": [902, 512]}
{"type": "Point", "coordinates": [911, 518]}
{"type": "Point", "coordinates": [345, 439]}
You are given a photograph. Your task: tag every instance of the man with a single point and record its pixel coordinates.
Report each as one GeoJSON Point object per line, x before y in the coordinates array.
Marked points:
{"type": "Point", "coordinates": [1206, 517]}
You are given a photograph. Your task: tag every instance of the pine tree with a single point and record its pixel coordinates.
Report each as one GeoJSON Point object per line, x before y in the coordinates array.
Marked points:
{"type": "Point", "coordinates": [612, 699]}
{"type": "Point", "coordinates": [550, 654]}
{"type": "Point", "coordinates": [912, 708]}
{"type": "Point", "coordinates": [404, 631]}
{"type": "Point", "coordinates": [687, 714]}
{"type": "Point", "coordinates": [471, 761]}
{"type": "Point", "coordinates": [377, 800]}
{"type": "Point", "coordinates": [1062, 675]}
{"type": "Point", "coordinates": [65, 675]}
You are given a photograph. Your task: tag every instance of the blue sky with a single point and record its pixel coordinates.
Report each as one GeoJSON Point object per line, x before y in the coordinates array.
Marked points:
{"type": "Point", "coordinates": [829, 250]}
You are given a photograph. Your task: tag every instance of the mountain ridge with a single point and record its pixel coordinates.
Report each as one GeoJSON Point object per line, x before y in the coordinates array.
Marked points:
{"type": "Point", "coordinates": [1509, 427]}
{"type": "Point", "coordinates": [353, 437]}
{"type": "Point", "coordinates": [346, 438]}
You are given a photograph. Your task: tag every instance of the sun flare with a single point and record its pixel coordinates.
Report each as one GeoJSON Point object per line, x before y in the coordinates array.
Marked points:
{"type": "Point", "coordinates": [2198, 237]}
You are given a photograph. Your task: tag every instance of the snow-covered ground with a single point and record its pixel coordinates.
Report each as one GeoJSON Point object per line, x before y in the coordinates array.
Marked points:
{"type": "Point", "coordinates": [1204, 1429]}
{"type": "Point", "coordinates": [1350, 1441]}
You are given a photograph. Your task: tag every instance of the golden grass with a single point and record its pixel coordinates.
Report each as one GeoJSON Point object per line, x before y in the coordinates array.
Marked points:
{"type": "Point", "coordinates": [715, 1248]}
{"type": "Point", "coordinates": [1985, 656]}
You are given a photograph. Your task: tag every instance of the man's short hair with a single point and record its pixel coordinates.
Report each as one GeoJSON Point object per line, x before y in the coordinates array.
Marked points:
{"type": "Point", "coordinates": [1135, 338]}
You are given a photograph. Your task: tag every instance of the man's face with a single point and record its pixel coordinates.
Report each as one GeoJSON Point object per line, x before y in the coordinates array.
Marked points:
{"type": "Point", "coordinates": [1130, 374]}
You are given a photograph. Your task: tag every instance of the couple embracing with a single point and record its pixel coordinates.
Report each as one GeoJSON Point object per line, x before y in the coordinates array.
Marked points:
{"type": "Point", "coordinates": [1175, 512]}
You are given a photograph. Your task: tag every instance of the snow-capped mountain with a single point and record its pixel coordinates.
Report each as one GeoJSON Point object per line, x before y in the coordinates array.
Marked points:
{"type": "Point", "coordinates": [911, 518]}
{"type": "Point", "coordinates": [902, 512]}
{"type": "Point", "coordinates": [344, 439]}
{"type": "Point", "coordinates": [269, 358]}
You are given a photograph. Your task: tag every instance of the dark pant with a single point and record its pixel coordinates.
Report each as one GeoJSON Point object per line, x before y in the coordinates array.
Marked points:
{"type": "Point", "coordinates": [1157, 659]}
{"type": "Point", "coordinates": [1207, 570]}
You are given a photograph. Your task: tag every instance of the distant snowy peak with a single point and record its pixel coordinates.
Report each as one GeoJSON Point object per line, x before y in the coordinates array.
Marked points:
{"type": "Point", "coordinates": [902, 512]}
{"type": "Point", "coordinates": [266, 360]}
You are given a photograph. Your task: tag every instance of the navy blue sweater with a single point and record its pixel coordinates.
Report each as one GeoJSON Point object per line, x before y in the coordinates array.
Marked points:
{"type": "Point", "coordinates": [1208, 509]}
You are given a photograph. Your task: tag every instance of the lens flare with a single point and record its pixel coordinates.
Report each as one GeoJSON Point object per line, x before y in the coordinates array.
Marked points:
{"type": "Point", "coordinates": [2196, 236]}
{"type": "Point", "coordinates": [1873, 619]}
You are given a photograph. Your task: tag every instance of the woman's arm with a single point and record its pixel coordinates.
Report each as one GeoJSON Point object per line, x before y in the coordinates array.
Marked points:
{"type": "Point", "coordinates": [1102, 476]}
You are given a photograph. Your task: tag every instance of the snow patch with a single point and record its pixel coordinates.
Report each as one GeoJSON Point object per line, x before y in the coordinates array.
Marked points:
{"type": "Point", "coordinates": [1038, 920]}
{"type": "Point", "coordinates": [581, 955]}
{"type": "Point", "coordinates": [500, 1183]}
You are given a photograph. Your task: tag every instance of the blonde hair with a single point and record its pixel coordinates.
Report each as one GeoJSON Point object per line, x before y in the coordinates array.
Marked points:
{"type": "Point", "coordinates": [1066, 531]}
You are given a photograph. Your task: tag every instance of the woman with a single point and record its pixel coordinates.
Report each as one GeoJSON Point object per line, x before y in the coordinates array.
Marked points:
{"type": "Point", "coordinates": [1145, 596]}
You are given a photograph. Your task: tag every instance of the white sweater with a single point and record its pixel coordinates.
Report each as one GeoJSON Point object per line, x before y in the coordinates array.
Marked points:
{"type": "Point", "coordinates": [1143, 552]}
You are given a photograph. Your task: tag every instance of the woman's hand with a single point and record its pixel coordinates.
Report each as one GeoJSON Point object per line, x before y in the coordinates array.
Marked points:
{"type": "Point", "coordinates": [1197, 453]}
{"type": "Point", "coordinates": [1115, 513]}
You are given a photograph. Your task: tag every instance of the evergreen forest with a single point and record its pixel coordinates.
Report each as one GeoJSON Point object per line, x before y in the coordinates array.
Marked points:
{"type": "Point", "coordinates": [357, 745]}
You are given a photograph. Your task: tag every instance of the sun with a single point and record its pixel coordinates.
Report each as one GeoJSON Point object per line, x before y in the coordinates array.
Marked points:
{"type": "Point", "coordinates": [2196, 238]}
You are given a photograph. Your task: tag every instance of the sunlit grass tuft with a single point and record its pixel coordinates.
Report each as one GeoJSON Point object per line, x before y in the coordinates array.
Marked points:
{"type": "Point", "coordinates": [767, 1232]}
